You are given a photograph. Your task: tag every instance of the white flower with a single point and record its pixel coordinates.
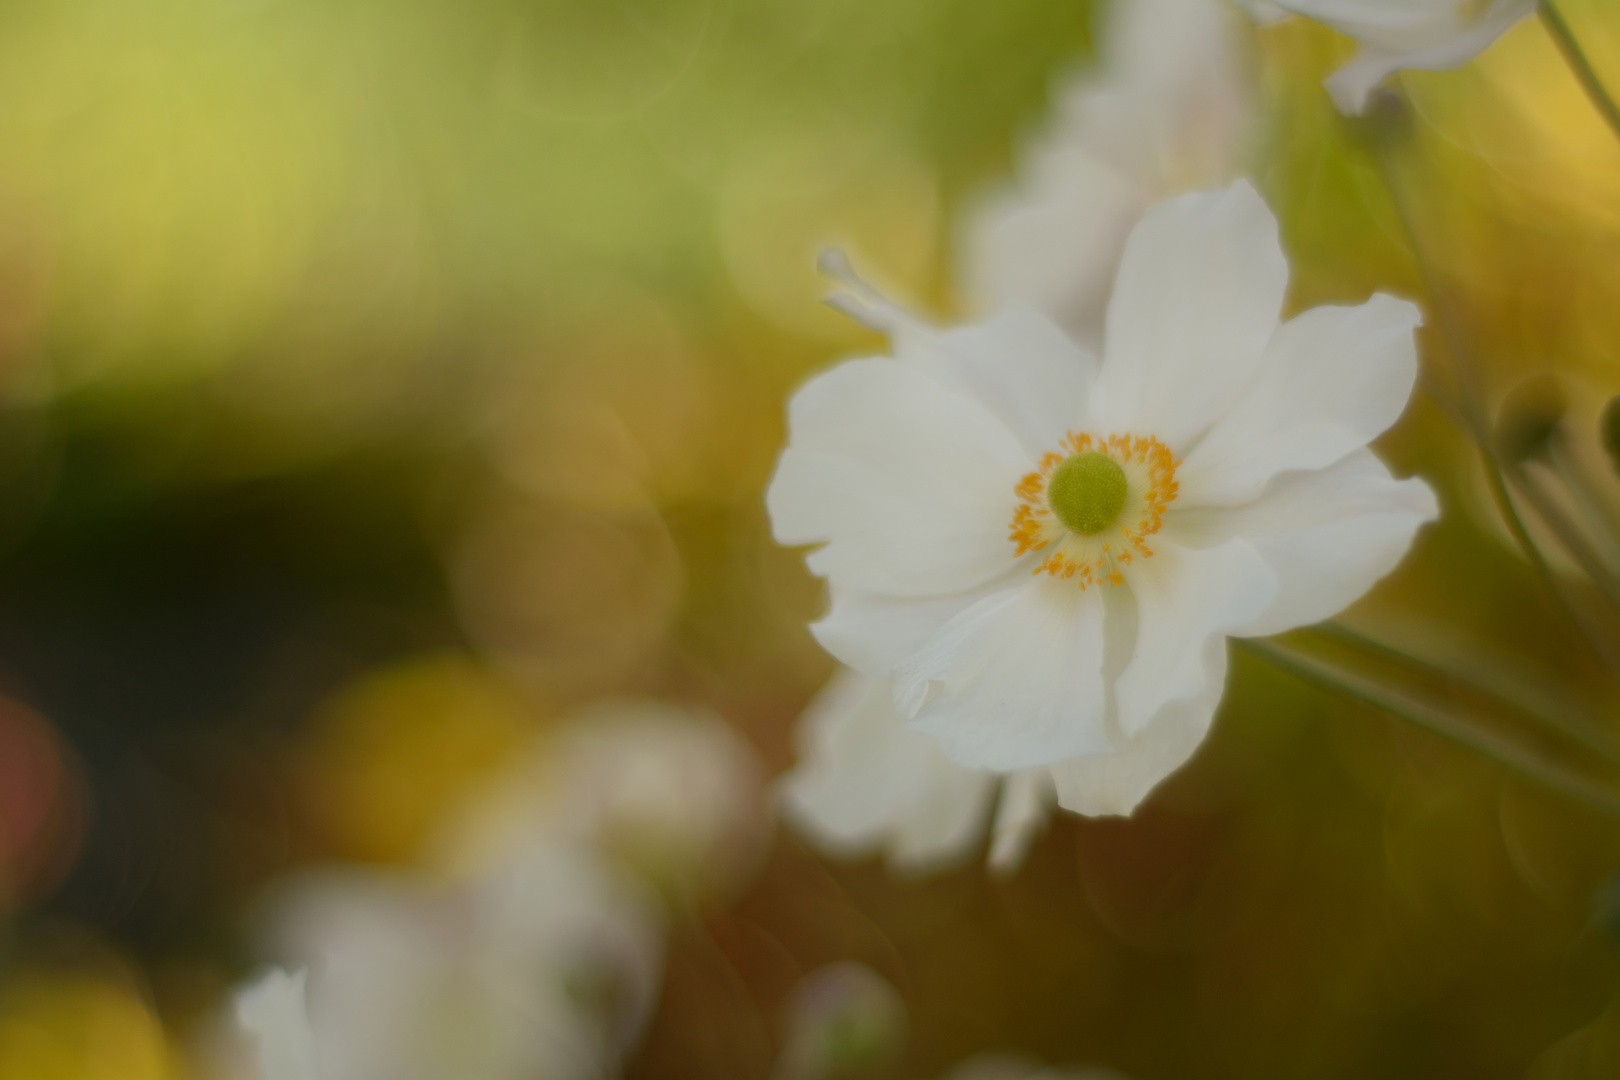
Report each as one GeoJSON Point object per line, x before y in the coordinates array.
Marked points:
{"type": "Point", "coordinates": [1045, 553]}
{"type": "Point", "coordinates": [672, 792]}
{"type": "Point", "coordinates": [273, 1010]}
{"type": "Point", "coordinates": [1015, 1067]}
{"type": "Point", "coordinates": [418, 980]}
{"type": "Point", "coordinates": [1425, 35]}
{"type": "Point", "coordinates": [1169, 109]}
{"type": "Point", "coordinates": [865, 782]}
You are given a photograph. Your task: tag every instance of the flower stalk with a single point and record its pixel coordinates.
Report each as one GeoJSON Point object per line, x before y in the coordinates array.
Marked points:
{"type": "Point", "coordinates": [1579, 64]}
{"type": "Point", "coordinates": [1506, 752]}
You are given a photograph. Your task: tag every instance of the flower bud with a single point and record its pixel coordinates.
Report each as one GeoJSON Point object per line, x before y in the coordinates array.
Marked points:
{"type": "Point", "coordinates": [1609, 432]}
{"type": "Point", "coordinates": [1529, 419]}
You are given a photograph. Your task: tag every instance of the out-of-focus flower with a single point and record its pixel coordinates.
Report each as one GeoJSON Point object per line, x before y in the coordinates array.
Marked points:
{"type": "Point", "coordinates": [1170, 110]}
{"type": "Point", "coordinates": [865, 782]}
{"type": "Point", "coordinates": [537, 952]}
{"type": "Point", "coordinates": [547, 967]}
{"type": "Point", "coordinates": [672, 792]}
{"type": "Point", "coordinates": [274, 1011]}
{"type": "Point", "coordinates": [1046, 553]}
{"type": "Point", "coordinates": [1013, 1067]}
{"type": "Point", "coordinates": [843, 1020]}
{"type": "Point", "coordinates": [1425, 35]}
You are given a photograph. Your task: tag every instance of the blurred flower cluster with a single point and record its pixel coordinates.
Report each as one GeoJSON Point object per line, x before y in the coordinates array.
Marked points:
{"type": "Point", "coordinates": [535, 950]}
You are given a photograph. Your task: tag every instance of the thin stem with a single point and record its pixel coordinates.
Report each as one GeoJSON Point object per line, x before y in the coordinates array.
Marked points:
{"type": "Point", "coordinates": [1549, 714]}
{"type": "Point", "coordinates": [1503, 751]}
{"type": "Point", "coordinates": [1593, 503]}
{"type": "Point", "coordinates": [1578, 63]}
{"type": "Point", "coordinates": [1567, 532]}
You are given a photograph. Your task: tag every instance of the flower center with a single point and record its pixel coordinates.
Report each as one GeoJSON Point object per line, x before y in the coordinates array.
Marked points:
{"type": "Point", "coordinates": [1092, 506]}
{"type": "Point", "coordinates": [1087, 492]}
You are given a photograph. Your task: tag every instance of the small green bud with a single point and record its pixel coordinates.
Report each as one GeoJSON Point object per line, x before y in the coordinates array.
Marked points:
{"type": "Point", "coordinates": [1087, 492]}
{"type": "Point", "coordinates": [1609, 432]}
{"type": "Point", "coordinates": [1529, 418]}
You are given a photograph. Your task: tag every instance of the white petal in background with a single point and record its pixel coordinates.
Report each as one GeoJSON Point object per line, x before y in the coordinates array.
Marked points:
{"type": "Point", "coordinates": [1168, 107]}
{"type": "Point", "coordinates": [273, 1011]}
{"type": "Point", "coordinates": [1396, 35]}
{"type": "Point", "coordinates": [866, 783]}
{"type": "Point", "coordinates": [1027, 798]}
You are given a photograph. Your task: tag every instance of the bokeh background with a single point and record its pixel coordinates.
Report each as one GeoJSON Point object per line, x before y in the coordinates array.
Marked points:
{"type": "Point", "coordinates": [383, 380]}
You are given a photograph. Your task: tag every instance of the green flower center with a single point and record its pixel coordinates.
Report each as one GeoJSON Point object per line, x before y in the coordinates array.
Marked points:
{"type": "Point", "coordinates": [1087, 492]}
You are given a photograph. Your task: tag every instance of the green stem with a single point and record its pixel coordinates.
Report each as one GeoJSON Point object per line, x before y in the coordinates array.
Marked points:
{"type": "Point", "coordinates": [1592, 502]}
{"type": "Point", "coordinates": [1578, 63]}
{"type": "Point", "coordinates": [1550, 714]}
{"type": "Point", "coordinates": [1504, 752]}
{"type": "Point", "coordinates": [1567, 532]}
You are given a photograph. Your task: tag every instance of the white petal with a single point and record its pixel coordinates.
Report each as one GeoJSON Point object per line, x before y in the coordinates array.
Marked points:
{"type": "Point", "coordinates": [1054, 244]}
{"type": "Point", "coordinates": [1174, 110]}
{"type": "Point", "coordinates": [1019, 365]}
{"type": "Point", "coordinates": [1015, 680]}
{"type": "Point", "coordinates": [273, 1009]}
{"type": "Point", "coordinates": [1196, 300]}
{"type": "Point", "coordinates": [1426, 35]}
{"type": "Point", "coordinates": [1447, 30]}
{"type": "Point", "coordinates": [1330, 382]}
{"type": "Point", "coordinates": [1327, 535]}
{"type": "Point", "coordinates": [865, 781]}
{"type": "Point", "coordinates": [1116, 783]}
{"type": "Point", "coordinates": [1186, 598]}
{"type": "Point", "coordinates": [1352, 85]}
{"type": "Point", "coordinates": [1263, 12]}
{"type": "Point", "coordinates": [908, 482]}
{"type": "Point", "coordinates": [874, 633]}
{"type": "Point", "coordinates": [1026, 807]}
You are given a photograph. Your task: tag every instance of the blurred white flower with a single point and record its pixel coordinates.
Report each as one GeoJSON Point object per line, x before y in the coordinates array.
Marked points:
{"type": "Point", "coordinates": [1426, 35]}
{"type": "Point", "coordinates": [842, 1020]}
{"type": "Point", "coordinates": [672, 792]}
{"type": "Point", "coordinates": [865, 782]}
{"type": "Point", "coordinates": [1014, 1067]}
{"type": "Point", "coordinates": [1045, 553]}
{"type": "Point", "coordinates": [273, 1010]}
{"type": "Point", "coordinates": [547, 968]}
{"type": "Point", "coordinates": [1168, 109]}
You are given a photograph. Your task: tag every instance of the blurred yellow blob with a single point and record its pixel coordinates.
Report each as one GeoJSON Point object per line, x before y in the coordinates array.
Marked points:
{"type": "Point", "coordinates": [567, 599]}
{"type": "Point", "coordinates": [56, 1026]}
{"type": "Point", "coordinates": [171, 164]}
{"type": "Point", "coordinates": [390, 753]}
{"type": "Point", "coordinates": [617, 410]}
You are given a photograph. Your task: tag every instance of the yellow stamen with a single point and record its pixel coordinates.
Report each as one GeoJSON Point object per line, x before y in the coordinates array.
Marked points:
{"type": "Point", "coordinates": [1095, 557]}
